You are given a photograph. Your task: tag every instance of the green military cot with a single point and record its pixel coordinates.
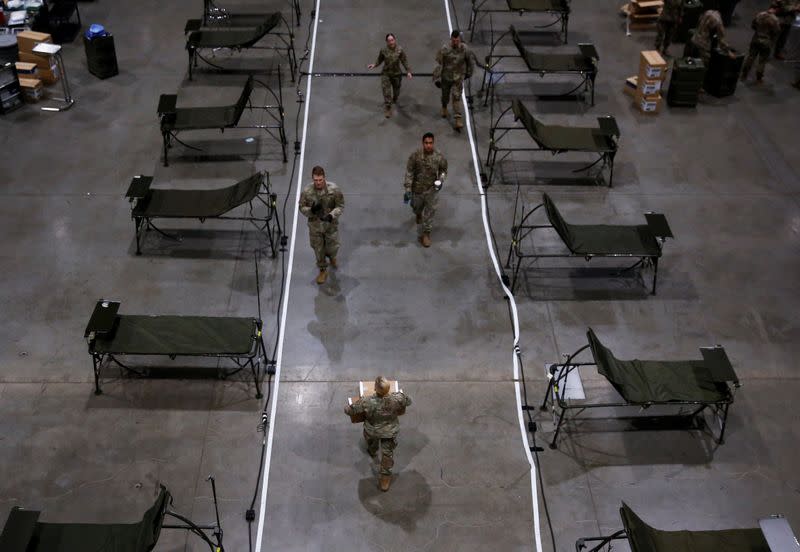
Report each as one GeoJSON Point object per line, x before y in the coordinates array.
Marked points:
{"type": "Point", "coordinates": [700, 384]}
{"type": "Point", "coordinates": [641, 537]}
{"type": "Point", "coordinates": [600, 141]}
{"type": "Point", "coordinates": [559, 9]}
{"type": "Point", "coordinates": [149, 204]}
{"type": "Point", "coordinates": [641, 241]}
{"type": "Point", "coordinates": [582, 63]}
{"type": "Point", "coordinates": [23, 532]}
{"type": "Point", "coordinates": [111, 335]}
{"type": "Point", "coordinates": [174, 119]}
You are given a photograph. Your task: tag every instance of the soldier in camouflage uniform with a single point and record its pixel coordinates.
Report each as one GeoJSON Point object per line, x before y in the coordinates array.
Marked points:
{"type": "Point", "coordinates": [425, 172]}
{"type": "Point", "coordinates": [322, 202]}
{"type": "Point", "coordinates": [767, 28]}
{"type": "Point", "coordinates": [454, 63]}
{"type": "Point", "coordinates": [710, 33]}
{"type": "Point", "coordinates": [392, 56]}
{"type": "Point", "coordinates": [381, 425]}
{"type": "Point", "coordinates": [667, 23]}
{"type": "Point", "coordinates": [786, 11]}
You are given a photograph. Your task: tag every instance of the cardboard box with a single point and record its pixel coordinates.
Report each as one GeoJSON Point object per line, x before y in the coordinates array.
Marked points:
{"type": "Point", "coordinates": [27, 70]}
{"type": "Point", "coordinates": [32, 89]}
{"type": "Point", "coordinates": [652, 66]}
{"type": "Point", "coordinates": [631, 85]}
{"type": "Point", "coordinates": [649, 87]}
{"type": "Point", "coordinates": [41, 61]}
{"type": "Point", "coordinates": [649, 105]}
{"type": "Point", "coordinates": [27, 40]}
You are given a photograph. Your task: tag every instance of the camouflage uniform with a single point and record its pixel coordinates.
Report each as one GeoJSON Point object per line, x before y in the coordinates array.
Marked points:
{"type": "Point", "coordinates": [453, 65]}
{"type": "Point", "coordinates": [421, 171]}
{"type": "Point", "coordinates": [667, 23]}
{"type": "Point", "coordinates": [392, 74]}
{"type": "Point", "coordinates": [785, 10]}
{"type": "Point", "coordinates": [381, 424]}
{"type": "Point", "coordinates": [767, 28]}
{"type": "Point", "coordinates": [710, 32]}
{"type": "Point", "coordinates": [324, 236]}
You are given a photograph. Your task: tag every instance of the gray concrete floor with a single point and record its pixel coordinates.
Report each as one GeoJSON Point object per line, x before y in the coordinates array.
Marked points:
{"type": "Point", "coordinates": [725, 174]}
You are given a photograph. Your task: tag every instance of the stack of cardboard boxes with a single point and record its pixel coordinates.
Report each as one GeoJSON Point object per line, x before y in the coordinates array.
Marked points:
{"type": "Point", "coordinates": [35, 70]}
{"type": "Point", "coordinates": [646, 86]}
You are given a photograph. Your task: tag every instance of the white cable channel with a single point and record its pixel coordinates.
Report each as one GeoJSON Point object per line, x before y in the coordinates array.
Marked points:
{"type": "Point", "coordinates": [514, 316]}
{"type": "Point", "coordinates": [282, 331]}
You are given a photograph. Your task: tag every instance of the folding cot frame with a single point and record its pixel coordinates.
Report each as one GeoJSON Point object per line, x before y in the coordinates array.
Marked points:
{"type": "Point", "coordinates": [139, 192]}
{"type": "Point", "coordinates": [520, 231]}
{"type": "Point", "coordinates": [214, 14]}
{"type": "Point", "coordinates": [561, 14]}
{"type": "Point", "coordinates": [495, 74]}
{"type": "Point", "coordinates": [286, 40]}
{"type": "Point", "coordinates": [555, 393]}
{"type": "Point", "coordinates": [105, 320]}
{"type": "Point", "coordinates": [607, 126]}
{"type": "Point", "coordinates": [773, 534]}
{"type": "Point", "coordinates": [22, 528]}
{"type": "Point", "coordinates": [168, 112]}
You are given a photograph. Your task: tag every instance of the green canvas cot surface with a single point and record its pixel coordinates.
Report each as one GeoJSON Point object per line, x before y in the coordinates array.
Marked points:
{"type": "Point", "coordinates": [205, 117]}
{"type": "Point", "coordinates": [551, 61]}
{"type": "Point", "coordinates": [537, 5]}
{"type": "Point", "coordinates": [562, 138]}
{"type": "Point", "coordinates": [245, 19]}
{"type": "Point", "coordinates": [179, 335]}
{"type": "Point", "coordinates": [603, 239]}
{"type": "Point", "coordinates": [196, 118]}
{"type": "Point", "coordinates": [198, 203]}
{"type": "Point", "coordinates": [645, 381]}
{"type": "Point", "coordinates": [233, 38]}
{"type": "Point", "coordinates": [643, 538]}
{"type": "Point", "coordinates": [115, 537]}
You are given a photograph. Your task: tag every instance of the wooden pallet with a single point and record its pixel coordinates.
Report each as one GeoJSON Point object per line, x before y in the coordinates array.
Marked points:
{"type": "Point", "coordinates": [642, 14]}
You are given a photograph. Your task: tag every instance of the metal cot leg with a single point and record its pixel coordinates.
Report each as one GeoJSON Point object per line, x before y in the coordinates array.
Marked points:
{"type": "Point", "coordinates": [558, 427]}
{"type": "Point", "coordinates": [96, 367]}
{"type": "Point", "coordinates": [655, 274]}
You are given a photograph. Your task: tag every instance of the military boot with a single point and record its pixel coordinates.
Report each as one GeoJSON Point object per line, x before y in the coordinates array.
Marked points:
{"type": "Point", "coordinates": [385, 482]}
{"type": "Point", "coordinates": [387, 112]}
{"type": "Point", "coordinates": [333, 262]}
{"type": "Point", "coordinates": [459, 124]}
{"type": "Point", "coordinates": [425, 240]}
{"type": "Point", "coordinates": [444, 112]}
{"type": "Point", "coordinates": [323, 276]}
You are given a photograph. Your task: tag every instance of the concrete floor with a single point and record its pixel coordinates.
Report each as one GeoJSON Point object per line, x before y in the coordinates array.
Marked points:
{"type": "Point", "coordinates": [724, 173]}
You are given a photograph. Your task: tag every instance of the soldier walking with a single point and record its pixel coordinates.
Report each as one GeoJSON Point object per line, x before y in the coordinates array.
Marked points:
{"type": "Point", "coordinates": [766, 27]}
{"type": "Point", "coordinates": [392, 56]}
{"type": "Point", "coordinates": [322, 202]}
{"type": "Point", "coordinates": [454, 63]}
{"type": "Point", "coordinates": [667, 23]}
{"type": "Point", "coordinates": [381, 425]}
{"type": "Point", "coordinates": [426, 171]}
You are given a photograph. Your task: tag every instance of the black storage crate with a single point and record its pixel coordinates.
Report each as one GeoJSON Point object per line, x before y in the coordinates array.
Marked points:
{"type": "Point", "coordinates": [687, 79]}
{"type": "Point", "coordinates": [10, 91]}
{"type": "Point", "coordinates": [723, 73]}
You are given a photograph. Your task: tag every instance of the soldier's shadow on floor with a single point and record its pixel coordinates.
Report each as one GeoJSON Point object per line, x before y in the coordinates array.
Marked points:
{"type": "Point", "coordinates": [332, 326]}
{"type": "Point", "coordinates": [407, 501]}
